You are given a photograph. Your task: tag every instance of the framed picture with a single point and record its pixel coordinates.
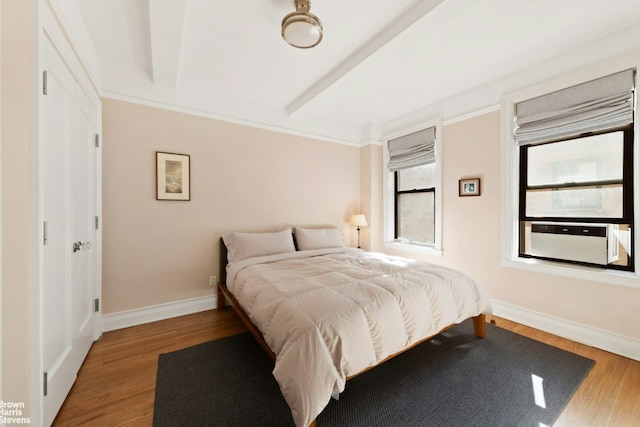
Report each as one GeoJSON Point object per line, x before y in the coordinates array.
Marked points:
{"type": "Point", "coordinates": [173, 176]}
{"type": "Point", "coordinates": [469, 187]}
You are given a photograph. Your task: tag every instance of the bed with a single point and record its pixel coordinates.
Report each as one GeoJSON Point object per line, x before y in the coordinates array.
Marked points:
{"type": "Point", "coordinates": [324, 312]}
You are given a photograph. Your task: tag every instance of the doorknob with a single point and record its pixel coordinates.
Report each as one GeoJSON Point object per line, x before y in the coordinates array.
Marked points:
{"type": "Point", "coordinates": [81, 246]}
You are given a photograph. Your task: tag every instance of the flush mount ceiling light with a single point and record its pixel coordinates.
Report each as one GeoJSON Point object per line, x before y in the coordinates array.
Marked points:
{"type": "Point", "coordinates": [300, 28]}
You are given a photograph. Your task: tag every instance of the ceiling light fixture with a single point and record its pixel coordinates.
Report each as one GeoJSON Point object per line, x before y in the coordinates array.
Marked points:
{"type": "Point", "coordinates": [300, 28]}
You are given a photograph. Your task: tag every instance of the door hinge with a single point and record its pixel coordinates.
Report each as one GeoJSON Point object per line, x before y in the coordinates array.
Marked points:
{"type": "Point", "coordinates": [44, 82]}
{"type": "Point", "coordinates": [97, 222]}
{"type": "Point", "coordinates": [45, 383]}
{"type": "Point", "coordinates": [45, 233]}
{"type": "Point", "coordinates": [97, 140]}
{"type": "Point", "coordinates": [96, 305]}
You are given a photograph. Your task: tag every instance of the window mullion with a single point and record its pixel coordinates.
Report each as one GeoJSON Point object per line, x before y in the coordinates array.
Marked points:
{"type": "Point", "coordinates": [522, 199]}
{"type": "Point", "coordinates": [416, 190]}
{"type": "Point", "coordinates": [627, 174]}
{"type": "Point", "coordinates": [396, 177]}
{"type": "Point", "coordinates": [575, 219]}
{"type": "Point", "coordinates": [577, 184]}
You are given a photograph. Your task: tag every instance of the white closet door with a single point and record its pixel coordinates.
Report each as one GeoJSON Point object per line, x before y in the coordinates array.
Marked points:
{"type": "Point", "coordinates": [83, 231]}
{"type": "Point", "coordinates": [68, 206]}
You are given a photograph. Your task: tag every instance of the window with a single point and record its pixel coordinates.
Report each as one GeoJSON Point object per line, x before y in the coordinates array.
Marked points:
{"type": "Point", "coordinates": [415, 204]}
{"type": "Point", "coordinates": [576, 174]}
{"type": "Point", "coordinates": [413, 211]}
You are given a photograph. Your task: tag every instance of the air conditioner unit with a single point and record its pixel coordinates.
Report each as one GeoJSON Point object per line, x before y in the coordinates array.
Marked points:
{"type": "Point", "coordinates": [591, 243]}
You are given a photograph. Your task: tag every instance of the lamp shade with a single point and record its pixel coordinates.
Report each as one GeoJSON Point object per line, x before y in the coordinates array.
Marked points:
{"type": "Point", "coordinates": [359, 220]}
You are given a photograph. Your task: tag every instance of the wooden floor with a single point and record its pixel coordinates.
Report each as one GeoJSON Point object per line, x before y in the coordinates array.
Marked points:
{"type": "Point", "coordinates": [115, 386]}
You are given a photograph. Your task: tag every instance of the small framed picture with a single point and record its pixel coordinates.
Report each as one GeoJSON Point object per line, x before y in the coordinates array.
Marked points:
{"type": "Point", "coordinates": [469, 187]}
{"type": "Point", "coordinates": [173, 176]}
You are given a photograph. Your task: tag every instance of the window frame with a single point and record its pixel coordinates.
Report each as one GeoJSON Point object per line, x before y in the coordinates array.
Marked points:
{"type": "Point", "coordinates": [389, 240]}
{"type": "Point", "coordinates": [509, 184]}
{"type": "Point", "coordinates": [627, 216]}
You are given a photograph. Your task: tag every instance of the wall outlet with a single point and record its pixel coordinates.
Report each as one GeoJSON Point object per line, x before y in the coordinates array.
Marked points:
{"type": "Point", "coordinates": [212, 280]}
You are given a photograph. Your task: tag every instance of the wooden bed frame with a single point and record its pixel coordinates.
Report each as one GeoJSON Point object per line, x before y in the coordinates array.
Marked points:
{"type": "Point", "coordinates": [479, 321]}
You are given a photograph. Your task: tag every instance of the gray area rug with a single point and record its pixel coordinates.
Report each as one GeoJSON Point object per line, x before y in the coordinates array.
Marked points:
{"type": "Point", "coordinates": [455, 379]}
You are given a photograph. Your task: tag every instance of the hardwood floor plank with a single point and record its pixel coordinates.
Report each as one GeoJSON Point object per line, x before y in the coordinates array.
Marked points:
{"type": "Point", "coordinates": [627, 407]}
{"type": "Point", "coordinates": [116, 384]}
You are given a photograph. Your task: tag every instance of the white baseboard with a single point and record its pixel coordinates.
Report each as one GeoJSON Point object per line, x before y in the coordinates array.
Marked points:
{"type": "Point", "coordinates": [139, 316]}
{"type": "Point", "coordinates": [618, 344]}
{"type": "Point", "coordinates": [608, 341]}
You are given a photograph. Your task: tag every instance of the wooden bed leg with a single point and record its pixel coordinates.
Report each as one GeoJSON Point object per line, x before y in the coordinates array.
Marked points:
{"type": "Point", "coordinates": [220, 298]}
{"type": "Point", "coordinates": [480, 325]}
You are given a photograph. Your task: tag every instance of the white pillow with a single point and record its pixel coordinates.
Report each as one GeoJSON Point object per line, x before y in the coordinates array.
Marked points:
{"type": "Point", "coordinates": [318, 238]}
{"type": "Point", "coordinates": [248, 245]}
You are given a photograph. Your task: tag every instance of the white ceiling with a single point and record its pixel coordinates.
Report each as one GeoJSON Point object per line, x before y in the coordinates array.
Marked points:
{"type": "Point", "coordinates": [379, 61]}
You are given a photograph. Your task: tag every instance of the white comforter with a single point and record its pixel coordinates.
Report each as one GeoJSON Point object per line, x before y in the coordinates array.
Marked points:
{"type": "Point", "coordinates": [329, 314]}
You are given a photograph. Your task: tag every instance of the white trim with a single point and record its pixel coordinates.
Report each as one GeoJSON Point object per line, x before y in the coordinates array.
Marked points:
{"type": "Point", "coordinates": [602, 275]}
{"type": "Point", "coordinates": [172, 105]}
{"type": "Point", "coordinates": [36, 253]}
{"type": "Point", "coordinates": [374, 142]}
{"type": "Point", "coordinates": [413, 249]}
{"type": "Point", "coordinates": [508, 183]}
{"type": "Point", "coordinates": [69, 24]}
{"type": "Point", "coordinates": [97, 291]}
{"type": "Point", "coordinates": [510, 173]}
{"type": "Point", "coordinates": [594, 337]}
{"type": "Point", "coordinates": [139, 316]}
{"type": "Point", "coordinates": [471, 115]}
{"type": "Point", "coordinates": [584, 334]}
{"type": "Point", "coordinates": [52, 30]}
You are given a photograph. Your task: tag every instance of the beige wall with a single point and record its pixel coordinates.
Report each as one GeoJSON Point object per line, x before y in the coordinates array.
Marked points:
{"type": "Point", "coordinates": [471, 241]}
{"type": "Point", "coordinates": [16, 333]}
{"type": "Point", "coordinates": [371, 195]}
{"type": "Point", "coordinates": [242, 178]}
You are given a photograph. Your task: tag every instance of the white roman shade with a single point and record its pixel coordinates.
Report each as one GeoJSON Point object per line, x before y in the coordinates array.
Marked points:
{"type": "Point", "coordinates": [415, 149]}
{"type": "Point", "coordinates": [599, 104]}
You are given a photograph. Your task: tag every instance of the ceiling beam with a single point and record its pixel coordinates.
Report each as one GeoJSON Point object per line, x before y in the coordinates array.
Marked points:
{"type": "Point", "coordinates": [166, 24]}
{"type": "Point", "coordinates": [384, 36]}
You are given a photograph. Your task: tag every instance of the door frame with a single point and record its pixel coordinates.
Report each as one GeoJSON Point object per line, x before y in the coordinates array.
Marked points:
{"type": "Point", "coordinates": [47, 24]}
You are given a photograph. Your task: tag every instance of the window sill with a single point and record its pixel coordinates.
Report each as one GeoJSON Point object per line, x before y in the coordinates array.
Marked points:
{"type": "Point", "coordinates": [413, 248]}
{"type": "Point", "coordinates": [601, 275]}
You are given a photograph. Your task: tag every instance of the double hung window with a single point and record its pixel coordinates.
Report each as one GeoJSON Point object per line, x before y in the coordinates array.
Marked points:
{"type": "Point", "coordinates": [412, 161]}
{"type": "Point", "coordinates": [576, 173]}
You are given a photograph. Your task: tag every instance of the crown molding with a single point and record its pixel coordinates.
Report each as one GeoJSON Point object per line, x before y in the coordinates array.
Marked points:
{"type": "Point", "coordinates": [172, 105]}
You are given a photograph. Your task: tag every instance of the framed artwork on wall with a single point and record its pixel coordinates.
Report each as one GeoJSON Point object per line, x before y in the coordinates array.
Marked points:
{"type": "Point", "coordinates": [469, 187]}
{"type": "Point", "coordinates": [173, 176]}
